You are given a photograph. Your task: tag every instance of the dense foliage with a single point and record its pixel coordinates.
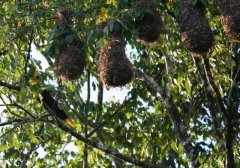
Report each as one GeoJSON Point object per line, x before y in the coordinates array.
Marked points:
{"type": "Point", "coordinates": [179, 110]}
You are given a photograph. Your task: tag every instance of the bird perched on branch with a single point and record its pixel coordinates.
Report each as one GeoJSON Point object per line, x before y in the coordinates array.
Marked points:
{"type": "Point", "coordinates": [51, 103]}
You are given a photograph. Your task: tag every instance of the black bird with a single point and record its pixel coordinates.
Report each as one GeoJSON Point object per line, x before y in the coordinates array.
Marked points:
{"type": "Point", "coordinates": [48, 100]}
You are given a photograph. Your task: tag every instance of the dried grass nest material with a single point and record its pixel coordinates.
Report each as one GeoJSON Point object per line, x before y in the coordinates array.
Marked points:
{"type": "Point", "coordinates": [64, 18]}
{"type": "Point", "coordinates": [195, 31]}
{"type": "Point", "coordinates": [230, 18]}
{"type": "Point", "coordinates": [115, 69]}
{"type": "Point", "coordinates": [149, 26]}
{"type": "Point", "coordinates": [71, 62]}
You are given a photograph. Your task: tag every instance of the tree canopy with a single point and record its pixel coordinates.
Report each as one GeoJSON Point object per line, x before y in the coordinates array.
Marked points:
{"type": "Point", "coordinates": [182, 78]}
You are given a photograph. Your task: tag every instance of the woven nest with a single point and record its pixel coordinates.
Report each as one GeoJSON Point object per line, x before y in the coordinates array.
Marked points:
{"type": "Point", "coordinates": [230, 18]}
{"type": "Point", "coordinates": [70, 63]}
{"type": "Point", "coordinates": [114, 67]}
{"type": "Point", "coordinates": [195, 31]}
{"type": "Point", "coordinates": [64, 18]}
{"type": "Point", "coordinates": [149, 26]}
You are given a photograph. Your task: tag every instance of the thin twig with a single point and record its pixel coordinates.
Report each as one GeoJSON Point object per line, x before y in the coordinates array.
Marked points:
{"type": "Point", "coordinates": [9, 110]}
{"type": "Point", "coordinates": [25, 121]}
{"type": "Point", "coordinates": [13, 128]}
{"type": "Point", "coordinates": [109, 118]}
{"type": "Point", "coordinates": [85, 150]}
{"type": "Point", "coordinates": [22, 108]}
{"type": "Point", "coordinates": [10, 122]}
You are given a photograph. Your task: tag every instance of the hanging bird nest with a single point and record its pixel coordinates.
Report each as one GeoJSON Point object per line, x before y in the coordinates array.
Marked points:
{"type": "Point", "coordinates": [195, 31]}
{"type": "Point", "coordinates": [149, 27]}
{"type": "Point", "coordinates": [64, 18]}
{"type": "Point", "coordinates": [71, 62]}
{"type": "Point", "coordinates": [230, 18]}
{"type": "Point", "coordinates": [149, 23]}
{"type": "Point", "coordinates": [114, 67]}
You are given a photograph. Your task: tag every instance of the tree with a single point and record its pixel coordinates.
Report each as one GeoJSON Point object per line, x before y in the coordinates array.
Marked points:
{"type": "Point", "coordinates": [181, 110]}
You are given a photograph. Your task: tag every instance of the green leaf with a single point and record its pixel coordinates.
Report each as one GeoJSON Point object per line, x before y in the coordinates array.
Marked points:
{"type": "Point", "coordinates": [69, 38]}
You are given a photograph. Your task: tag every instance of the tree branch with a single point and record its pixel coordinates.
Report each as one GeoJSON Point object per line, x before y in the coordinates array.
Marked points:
{"type": "Point", "coordinates": [10, 122]}
{"type": "Point", "coordinates": [9, 110]}
{"type": "Point", "coordinates": [29, 50]}
{"type": "Point", "coordinates": [214, 86]}
{"type": "Point", "coordinates": [27, 155]}
{"type": "Point", "coordinates": [22, 122]}
{"type": "Point", "coordinates": [233, 88]}
{"type": "Point", "coordinates": [99, 101]}
{"type": "Point", "coordinates": [173, 113]}
{"type": "Point", "coordinates": [9, 86]}
{"type": "Point", "coordinates": [85, 150]}
{"type": "Point", "coordinates": [209, 95]}
{"type": "Point", "coordinates": [233, 107]}
{"type": "Point", "coordinates": [22, 108]}
{"type": "Point", "coordinates": [103, 148]}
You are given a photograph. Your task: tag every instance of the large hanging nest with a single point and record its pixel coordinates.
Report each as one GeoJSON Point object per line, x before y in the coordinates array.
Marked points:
{"type": "Point", "coordinates": [149, 23]}
{"type": "Point", "coordinates": [195, 31]}
{"type": "Point", "coordinates": [230, 18]}
{"type": "Point", "coordinates": [64, 18]}
{"type": "Point", "coordinates": [114, 67]}
{"type": "Point", "coordinates": [71, 62]}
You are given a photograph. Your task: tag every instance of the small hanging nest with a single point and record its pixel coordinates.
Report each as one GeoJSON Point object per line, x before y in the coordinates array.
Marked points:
{"type": "Point", "coordinates": [195, 31]}
{"type": "Point", "coordinates": [114, 67]}
{"type": "Point", "coordinates": [149, 27]}
{"type": "Point", "coordinates": [230, 18]}
{"type": "Point", "coordinates": [64, 18]}
{"type": "Point", "coordinates": [149, 23]}
{"type": "Point", "coordinates": [71, 62]}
